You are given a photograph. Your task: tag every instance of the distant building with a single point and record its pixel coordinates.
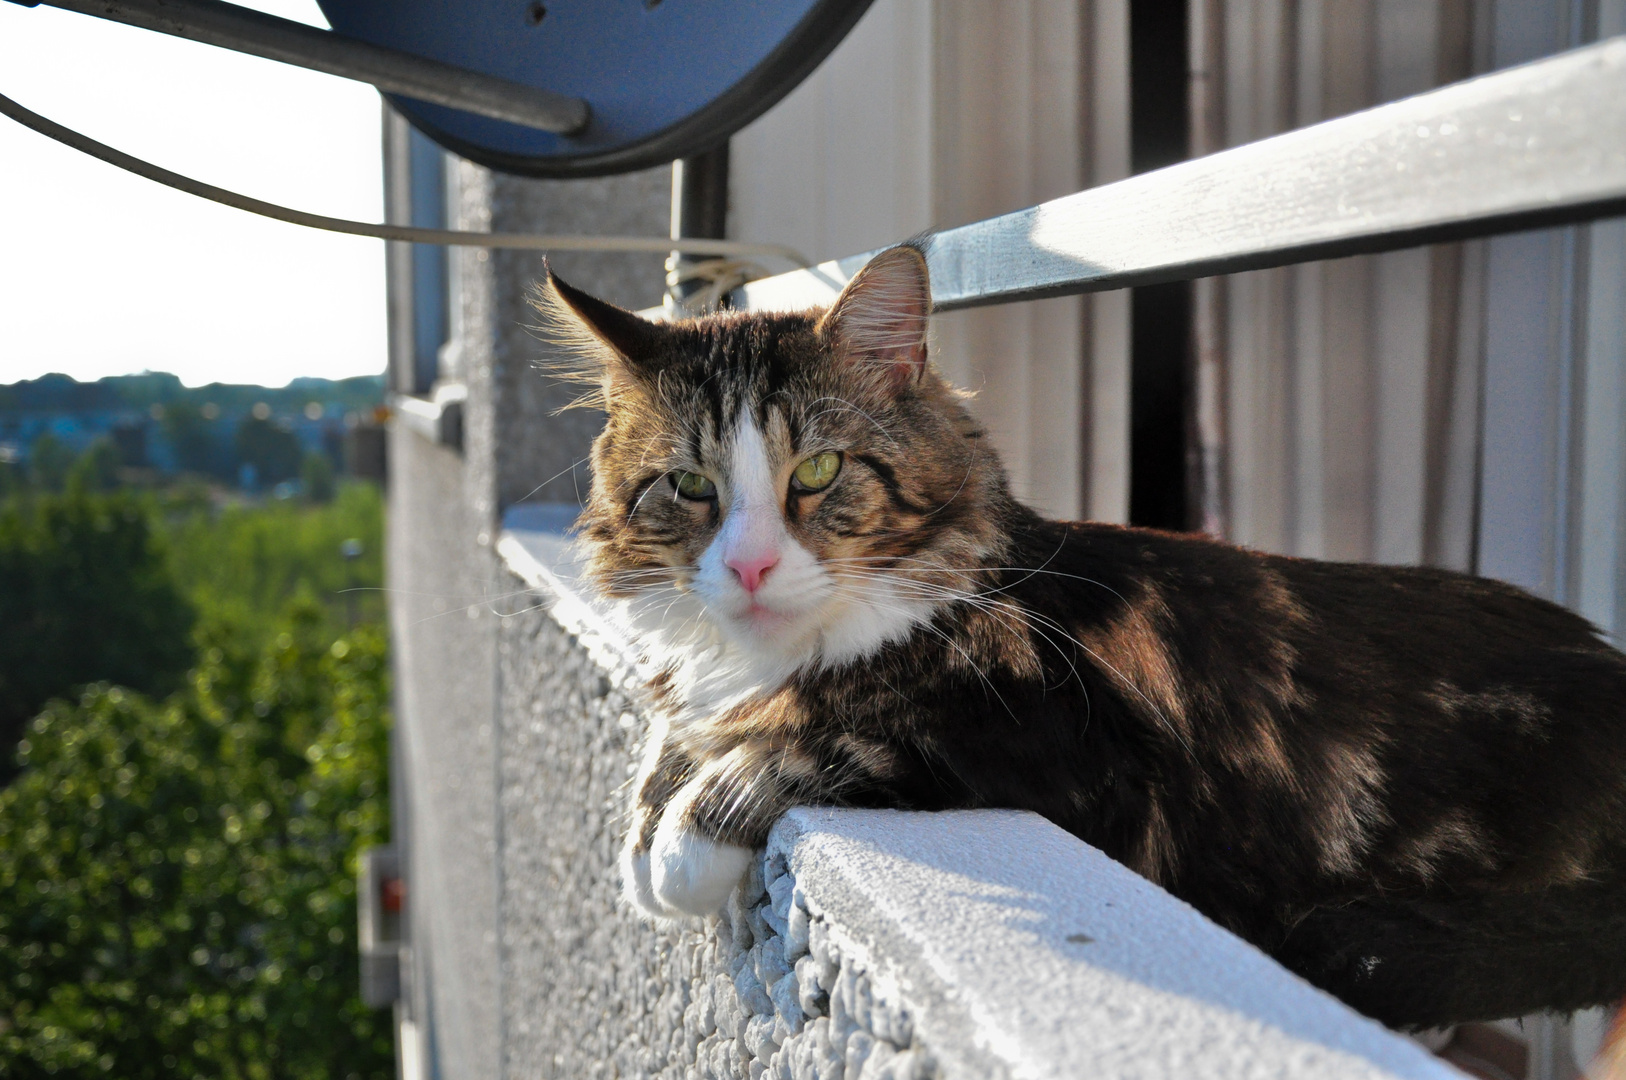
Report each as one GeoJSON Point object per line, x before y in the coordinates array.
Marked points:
{"type": "Point", "coordinates": [155, 422]}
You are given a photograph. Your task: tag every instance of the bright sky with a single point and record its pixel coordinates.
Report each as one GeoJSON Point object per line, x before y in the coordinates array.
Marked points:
{"type": "Point", "coordinates": [104, 273]}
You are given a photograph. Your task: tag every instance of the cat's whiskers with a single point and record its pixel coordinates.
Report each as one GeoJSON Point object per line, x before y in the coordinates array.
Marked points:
{"type": "Point", "coordinates": [1027, 571]}
{"type": "Point", "coordinates": [1033, 621]}
{"type": "Point", "coordinates": [486, 599]}
{"type": "Point", "coordinates": [677, 597]}
{"type": "Point", "coordinates": [929, 627]}
{"type": "Point", "coordinates": [949, 596]}
{"type": "Point", "coordinates": [970, 467]}
{"type": "Point", "coordinates": [716, 667]}
{"type": "Point", "coordinates": [568, 468]}
{"type": "Point", "coordinates": [666, 437]}
{"type": "Point", "coordinates": [913, 581]}
{"type": "Point", "coordinates": [853, 408]}
{"type": "Point", "coordinates": [1036, 622]}
{"type": "Point", "coordinates": [1123, 679]}
{"type": "Point", "coordinates": [478, 597]}
{"type": "Point", "coordinates": [653, 484]}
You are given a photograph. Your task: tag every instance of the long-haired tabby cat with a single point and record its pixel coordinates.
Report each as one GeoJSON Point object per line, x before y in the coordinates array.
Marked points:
{"type": "Point", "coordinates": [1405, 784]}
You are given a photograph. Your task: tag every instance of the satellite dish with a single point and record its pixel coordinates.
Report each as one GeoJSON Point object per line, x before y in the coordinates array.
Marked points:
{"type": "Point", "coordinates": [665, 79]}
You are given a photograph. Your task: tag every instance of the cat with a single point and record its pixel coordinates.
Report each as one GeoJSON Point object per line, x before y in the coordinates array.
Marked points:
{"type": "Point", "coordinates": [1405, 784]}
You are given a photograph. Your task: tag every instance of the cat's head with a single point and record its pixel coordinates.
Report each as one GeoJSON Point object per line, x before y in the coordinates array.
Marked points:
{"type": "Point", "coordinates": [807, 477]}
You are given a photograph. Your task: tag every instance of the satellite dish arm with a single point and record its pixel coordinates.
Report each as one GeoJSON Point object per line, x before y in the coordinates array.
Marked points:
{"type": "Point", "coordinates": [395, 72]}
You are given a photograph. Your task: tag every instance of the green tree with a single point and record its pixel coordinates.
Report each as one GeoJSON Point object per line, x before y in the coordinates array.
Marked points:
{"type": "Point", "coordinates": [49, 462]}
{"type": "Point", "coordinates": [86, 594]}
{"type": "Point", "coordinates": [316, 476]}
{"type": "Point", "coordinates": [188, 432]}
{"type": "Point", "coordinates": [270, 448]}
{"type": "Point", "coordinates": [177, 889]}
{"type": "Point", "coordinates": [242, 565]}
{"type": "Point", "coordinates": [97, 468]}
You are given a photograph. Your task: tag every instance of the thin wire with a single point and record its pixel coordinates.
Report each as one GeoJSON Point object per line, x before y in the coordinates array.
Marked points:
{"type": "Point", "coordinates": [410, 233]}
{"type": "Point", "coordinates": [720, 277]}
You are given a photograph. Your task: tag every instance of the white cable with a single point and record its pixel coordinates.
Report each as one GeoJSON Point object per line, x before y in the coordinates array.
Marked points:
{"type": "Point", "coordinates": [720, 277]}
{"type": "Point", "coordinates": [86, 145]}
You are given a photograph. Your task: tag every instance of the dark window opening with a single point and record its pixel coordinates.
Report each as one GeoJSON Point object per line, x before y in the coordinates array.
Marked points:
{"type": "Point", "coordinates": [1160, 321]}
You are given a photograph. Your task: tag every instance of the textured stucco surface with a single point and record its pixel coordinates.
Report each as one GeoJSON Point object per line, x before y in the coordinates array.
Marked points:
{"type": "Point", "coordinates": [449, 596]}
{"type": "Point", "coordinates": [867, 943]}
{"type": "Point", "coordinates": [542, 452]}
{"type": "Point", "coordinates": [445, 822]}
{"type": "Point", "coordinates": [589, 990]}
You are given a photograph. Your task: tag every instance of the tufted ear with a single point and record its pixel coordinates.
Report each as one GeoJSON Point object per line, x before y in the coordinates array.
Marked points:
{"type": "Point", "coordinates": [606, 345]}
{"type": "Point", "coordinates": [880, 318]}
{"type": "Point", "coordinates": [631, 337]}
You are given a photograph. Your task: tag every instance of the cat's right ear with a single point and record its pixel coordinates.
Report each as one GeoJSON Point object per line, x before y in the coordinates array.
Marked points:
{"type": "Point", "coordinates": [880, 319]}
{"type": "Point", "coordinates": [606, 345]}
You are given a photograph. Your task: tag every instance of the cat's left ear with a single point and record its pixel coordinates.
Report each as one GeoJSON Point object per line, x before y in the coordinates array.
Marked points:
{"type": "Point", "coordinates": [603, 346]}
{"type": "Point", "coordinates": [880, 318]}
{"type": "Point", "coordinates": [633, 339]}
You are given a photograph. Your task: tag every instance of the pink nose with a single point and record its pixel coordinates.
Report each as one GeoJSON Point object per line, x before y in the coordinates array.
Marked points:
{"type": "Point", "coordinates": [752, 569]}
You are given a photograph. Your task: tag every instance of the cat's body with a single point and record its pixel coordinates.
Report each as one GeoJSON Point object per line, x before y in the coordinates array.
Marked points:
{"type": "Point", "coordinates": [1406, 784]}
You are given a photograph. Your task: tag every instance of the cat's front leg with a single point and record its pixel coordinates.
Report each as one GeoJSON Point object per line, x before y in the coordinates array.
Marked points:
{"type": "Point", "coordinates": [714, 822]}
{"type": "Point", "coordinates": [694, 823]}
{"type": "Point", "coordinates": [665, 769]}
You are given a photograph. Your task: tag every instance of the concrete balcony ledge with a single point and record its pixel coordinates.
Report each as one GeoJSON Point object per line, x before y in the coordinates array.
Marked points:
{"type": "Point", "coordinates": [990, 943]}
{"type": "Point", "coordinates": [1010, 948]}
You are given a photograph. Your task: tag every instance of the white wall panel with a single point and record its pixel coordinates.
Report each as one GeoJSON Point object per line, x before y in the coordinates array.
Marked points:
{"type": "Point", "coordinates": [1343, 380]}
{"type": "Point", "coordinates": [843, 163]}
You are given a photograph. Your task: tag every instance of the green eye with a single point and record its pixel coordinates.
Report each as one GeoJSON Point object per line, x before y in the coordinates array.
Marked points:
{"type": "Point", "coordinates": [816, 472]}
{"type": "Point", "coordinates": [691, 485]}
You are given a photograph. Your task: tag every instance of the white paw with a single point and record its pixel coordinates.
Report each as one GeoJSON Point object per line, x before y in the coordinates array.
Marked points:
{"type": "Point", "coordinates": [689, 874]}
{"type": "Point", "coordinates": [635, 886]}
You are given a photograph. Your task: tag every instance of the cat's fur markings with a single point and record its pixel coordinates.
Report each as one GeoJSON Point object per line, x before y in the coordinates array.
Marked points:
{"type": "Point", "coordinates": [1407, 785]}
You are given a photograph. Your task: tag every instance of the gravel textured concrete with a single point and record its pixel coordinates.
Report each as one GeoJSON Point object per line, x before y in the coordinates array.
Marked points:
{"type": "Point", "coordinates": [542, 453]}
{"type": "Point", "coordinates": [443, 637]}
{"type": "Point", "coordinates": [452, 789]}
{"type": "Point", "coordinates": [588, 990]}
{"type": "Point", "coordinates": [865, 943]}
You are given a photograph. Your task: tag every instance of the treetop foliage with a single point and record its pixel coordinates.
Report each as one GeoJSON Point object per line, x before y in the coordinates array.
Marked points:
{"type": "Point", "coordinates": [177, 874]}
{"type": "Point", "coordinates": [86, 594]}
{"type": "Point", "coordinates": [243, 564]}
{"type": "Point", "coordinates": [177, 880]}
